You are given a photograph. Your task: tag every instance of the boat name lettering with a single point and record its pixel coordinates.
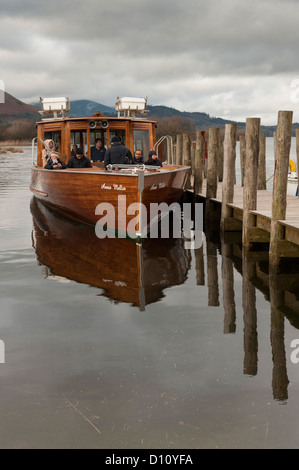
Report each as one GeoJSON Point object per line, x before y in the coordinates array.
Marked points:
{"type": "Point", "coordinates": [119, 187]}
{"type": "Point", "coordinates": [116, 187]}
{"type": "Point", "coordinates": [157, 186]}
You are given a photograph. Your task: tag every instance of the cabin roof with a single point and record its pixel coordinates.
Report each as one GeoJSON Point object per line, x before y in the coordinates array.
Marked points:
{"type": "Point", "coordinates": [95, 117]}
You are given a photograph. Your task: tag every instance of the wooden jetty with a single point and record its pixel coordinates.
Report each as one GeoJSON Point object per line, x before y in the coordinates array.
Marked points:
{"type": "Point", "coordinates": [258, 215]}
{"type": "Point", "coordinates": [260, 232]}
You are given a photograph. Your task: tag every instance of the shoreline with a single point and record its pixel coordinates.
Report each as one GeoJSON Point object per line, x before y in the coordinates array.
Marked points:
{"type": "Point", "coordinates": [14, 143]}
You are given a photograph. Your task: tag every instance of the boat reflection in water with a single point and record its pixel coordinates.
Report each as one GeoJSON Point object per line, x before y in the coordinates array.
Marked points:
{"type": "Point", "coordinates": [127, 271]}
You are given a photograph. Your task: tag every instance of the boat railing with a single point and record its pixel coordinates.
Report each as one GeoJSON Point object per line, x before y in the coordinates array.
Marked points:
{"type": "Point", "coordinates": [46, 147]}
{"type": "Point", "coordinates": [169, 142]}
{"type": "Point", "coordinates": [133, 168]}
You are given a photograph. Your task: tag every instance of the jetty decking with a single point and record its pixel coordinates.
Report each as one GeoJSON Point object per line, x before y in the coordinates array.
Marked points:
{"type": "Point", "coordinates": [262, 214]}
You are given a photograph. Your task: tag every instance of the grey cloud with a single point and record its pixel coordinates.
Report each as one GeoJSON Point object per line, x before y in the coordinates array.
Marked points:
{"type": "Point", "coordinates": [98, 50]}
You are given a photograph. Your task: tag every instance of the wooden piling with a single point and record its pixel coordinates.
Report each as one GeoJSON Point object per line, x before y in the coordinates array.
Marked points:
{"type": "Point", "coordinates": [187, 155]}
{"type": "Point", "coordinates": [220, 158]}
{"type": "Point", "coordinates": [261, 182]}
{"type": "Point", "coordinates": [198, 166]}
{"type": "Point", "coordinates": [192, 157]}
{"type": "Point", "coordinates": [242, 157]}
{"type": "Point", "coordinates": [282, 155]}
{"type": "Point", "coordinates": [228, 171]}
{"type": "Point", "coordinates": [179, 150]}
{"type": "Point", "coordinates": [213, 140]}
{"type": "Point", "coordinates": [250, 177]}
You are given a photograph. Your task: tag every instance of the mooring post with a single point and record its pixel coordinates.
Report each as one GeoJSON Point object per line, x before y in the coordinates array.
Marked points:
{"type": "Point", "coordinates": [279, 196]}
{"type": "Point", "coordinates": [242, 157]}
{"type": "Point", "coordinates": [187, 156]}
{"type": "Point", "coordinates": [229, 162]}
{"type": "Point", "coordinates": [213, 140]}
{"type": "Point", "coordinates": [261, 182]}
{"type": "Point", "coordinates": [198, 167]}
{"type": "Point", "coordinates": [179, 150]}
{"type": "Point", "coordinates": [192, 158]}
{"type": "Point", "coordinates": [220, 158]}
{"type": "Point", "coordinates": [250, 177]}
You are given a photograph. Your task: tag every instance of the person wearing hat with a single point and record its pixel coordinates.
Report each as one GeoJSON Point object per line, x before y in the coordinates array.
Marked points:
{"type": "Point", "coordinates": [79, 160]}
{"type": "Point", "coordinates": [153, 159]}
{"type": "Point", "coordinates": [117, 153]}
{"type": "Point", "coordinates": [54, 162]}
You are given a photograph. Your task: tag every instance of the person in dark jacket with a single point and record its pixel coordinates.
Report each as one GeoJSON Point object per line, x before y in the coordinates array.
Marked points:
{"type": "Point", "coordinates": [117, 153]}
{"type": "Point", "coordinates": [138, 157]}
{"type": "Point", "coordinates": [54, 162]}
{"type": "Point", "coordinates": [98, 151]}
{"type": "Point", "coordinates": [74, 150]}
{"type": "Point", "coordinates": [153, 159]}
{"type": "Point", "coordinates": [79, 161]}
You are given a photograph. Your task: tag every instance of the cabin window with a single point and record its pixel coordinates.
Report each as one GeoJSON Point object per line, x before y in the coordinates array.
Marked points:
{"type": "Point", "coordinates": [56, 137]}
{"type": "Point", "coordinates": [121, 133]}
{"type": "Point", "coordinates": [98, 134]}
{"type": "Point", "coordinates": [141, 141]}
{"type": "Point", "coordinates": [80, 139]}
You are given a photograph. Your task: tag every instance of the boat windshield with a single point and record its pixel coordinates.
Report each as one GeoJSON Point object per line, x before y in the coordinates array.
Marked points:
{"type": "Point", "coordinates": [141, 141]}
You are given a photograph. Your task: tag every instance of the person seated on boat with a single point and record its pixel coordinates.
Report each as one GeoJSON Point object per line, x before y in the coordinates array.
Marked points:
{"type": "Point", "coordinates": [117, 153]}
{"type": "Point", "coordinates": [46, 152]}
{"type": "Point", "coordinates": [79, 160]}
{"type": "Point", "coordinates": [74, 150]}
{"type": "Point", "coordinates": [98, 151]}
{"type": "Point", "coordinates": [138, 157]}
{"type": "Point", "coordinates": [153, 159]}
{"type": "Point", "coordinates": [54, 162]}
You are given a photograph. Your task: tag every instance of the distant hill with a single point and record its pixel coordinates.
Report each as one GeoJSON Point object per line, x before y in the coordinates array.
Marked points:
{"type": "Point", "coordinates": [15, 110]}
{"type": "Point", "coordinates": [83, 108]}
{"type": "Point", "coordinates": [201, 120]}
{"type": "Point", "coordinates": [87, 108]}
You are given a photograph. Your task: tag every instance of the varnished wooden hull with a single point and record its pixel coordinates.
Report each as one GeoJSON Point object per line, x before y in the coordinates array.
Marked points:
{"type": "Point", "coordinates": [76, 194]}
{"type": "Point", "coordinates": [125, 270]}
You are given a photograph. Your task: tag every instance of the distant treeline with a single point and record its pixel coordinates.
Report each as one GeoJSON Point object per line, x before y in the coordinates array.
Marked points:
{"type": "Point", "coordinates": [24, 130]}
{"type": "Point", "coordinates": [19, 130]}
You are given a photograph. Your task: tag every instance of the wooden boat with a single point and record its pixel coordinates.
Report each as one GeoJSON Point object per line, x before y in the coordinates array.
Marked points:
{"type": "Point", "coordinates": [76, 193]}
{"type": "Point", "coordinates": [126, 271]}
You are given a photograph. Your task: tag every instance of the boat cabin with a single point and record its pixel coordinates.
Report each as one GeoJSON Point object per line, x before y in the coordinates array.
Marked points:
{"type": "Point", "coordinates": [135, 132]}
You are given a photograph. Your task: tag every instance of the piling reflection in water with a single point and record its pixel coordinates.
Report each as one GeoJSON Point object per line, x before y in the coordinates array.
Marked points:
{"type": "Point", "coordinates": [127, 271]}
{"type": "Point", "coordinates": [281, 289]}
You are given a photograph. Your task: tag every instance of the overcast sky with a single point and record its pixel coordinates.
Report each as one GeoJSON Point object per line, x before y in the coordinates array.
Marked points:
{"type": "Point", "coordinates": [229, 58]}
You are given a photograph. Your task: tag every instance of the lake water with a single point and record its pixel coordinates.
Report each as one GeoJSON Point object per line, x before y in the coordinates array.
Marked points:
{"type": "Point", "coordinates": [192, 352]}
